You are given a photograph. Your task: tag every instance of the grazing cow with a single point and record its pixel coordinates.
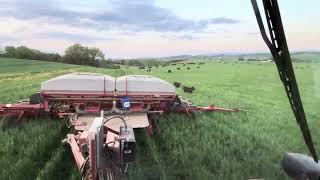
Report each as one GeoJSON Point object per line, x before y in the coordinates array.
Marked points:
{"type": "Point", "coordinates": [188, 89]}
{"type": "Point", "coordinates": [177, 84]}
{"type": "Point", "coordinates": [169, 71]}
{"type": "Point", "coordinates": [178, 68]}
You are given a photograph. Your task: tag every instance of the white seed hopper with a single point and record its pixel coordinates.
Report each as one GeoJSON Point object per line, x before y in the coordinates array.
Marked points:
{"type": "Point", "coordinates": [143, 84]}
{"type": "Point", "coordinates": [80, 83]}
{"type": "Point", "coordinates": [100, 83]}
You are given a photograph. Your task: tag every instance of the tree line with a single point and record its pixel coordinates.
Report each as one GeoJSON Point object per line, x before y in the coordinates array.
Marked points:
{"type": "Point", "coordinates": [143, 62]}
{"type": "Point", "coordinates": [75, 54]}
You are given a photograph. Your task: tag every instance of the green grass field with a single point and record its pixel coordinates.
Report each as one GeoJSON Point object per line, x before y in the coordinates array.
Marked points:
{"type": "Point", "coordinates": [243, 145]}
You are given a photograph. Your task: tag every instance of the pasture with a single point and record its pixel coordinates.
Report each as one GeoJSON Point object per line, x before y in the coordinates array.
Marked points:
{"type": "Point", "coordinates": [244, 145]}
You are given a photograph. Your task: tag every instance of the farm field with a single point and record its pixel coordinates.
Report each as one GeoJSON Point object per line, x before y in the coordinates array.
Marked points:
{"type": "Point", "coordinates": [244, 145]}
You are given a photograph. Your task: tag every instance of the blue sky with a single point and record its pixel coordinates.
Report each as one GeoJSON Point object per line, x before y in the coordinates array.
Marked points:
{"type": "Point", "coordinates": [152, 28]}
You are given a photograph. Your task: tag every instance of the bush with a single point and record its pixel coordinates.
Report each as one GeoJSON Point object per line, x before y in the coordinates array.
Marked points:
{"type": "Point", "coordinates": [75, 54]}
{"type": "Point", "coordinates": [23, 52]}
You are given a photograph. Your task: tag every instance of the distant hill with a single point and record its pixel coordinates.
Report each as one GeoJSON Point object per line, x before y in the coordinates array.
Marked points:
{"type": "Point", "coordinates": [296, 56]}
{"type": "Point", "coordinates": [306, 56]}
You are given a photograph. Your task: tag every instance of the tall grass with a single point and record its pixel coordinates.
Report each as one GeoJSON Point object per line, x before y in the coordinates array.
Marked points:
{"type": "Point", "coordinates": [242, 145]}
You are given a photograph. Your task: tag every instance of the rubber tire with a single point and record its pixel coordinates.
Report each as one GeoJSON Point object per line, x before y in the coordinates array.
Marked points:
{"type": "Point", "coordinates": [8, 120]}
{"type": "Point", "coordinates": [176, 103]}
{"type": "Point", "coordinates": [194, 114]}
{"type": "Point", "coordinates": [36, 98]}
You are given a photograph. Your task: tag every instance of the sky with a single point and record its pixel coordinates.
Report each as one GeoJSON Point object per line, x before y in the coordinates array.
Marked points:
{"type": "Point", "coordinates": [152, 28]}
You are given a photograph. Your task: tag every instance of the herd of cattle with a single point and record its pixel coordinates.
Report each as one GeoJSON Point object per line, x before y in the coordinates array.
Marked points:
{"type": "Point", "coordinates": [186, 89]}
{"type": "Point", "coordinates": [149, 68]}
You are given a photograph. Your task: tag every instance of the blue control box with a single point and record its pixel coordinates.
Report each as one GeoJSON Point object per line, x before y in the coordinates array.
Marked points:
{"type": "Point", "coordinates": [126, 102]}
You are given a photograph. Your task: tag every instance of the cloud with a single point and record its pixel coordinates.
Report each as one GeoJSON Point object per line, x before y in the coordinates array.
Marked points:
{"type": "Point", "coordinates": [185, 37]}
{"type": "Point", "coordinates": [7, 38]}
{"type": "Point", "coordinates": [132, 15]}
{"type": "Point", "coordinates": [253, 33]}
{"type": "Point", "coordinates": [73, 37]}
{"type": "Point", "coordinates": [180, 36]}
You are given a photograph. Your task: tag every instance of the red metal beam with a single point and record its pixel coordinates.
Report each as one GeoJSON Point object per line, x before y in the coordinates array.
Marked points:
{"type": "Point", "coordinates": [211, 108]}
{"type": "Point", "coordinates": [76, 151]}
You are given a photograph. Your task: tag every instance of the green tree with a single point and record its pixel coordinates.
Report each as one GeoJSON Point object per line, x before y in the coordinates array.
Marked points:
{"type": "Point", "coordinates": [135, 63]}
{"type": "Point", "coordinates": [10, 51]}
{"type": "Point", "coordinates": [82, 55]}
{"type": "Point", "coordinates": [95, 55]}
{"type": "Point", "coordinates": [23, 52]}
{"type": "Point", "coordinates": [77, 54]}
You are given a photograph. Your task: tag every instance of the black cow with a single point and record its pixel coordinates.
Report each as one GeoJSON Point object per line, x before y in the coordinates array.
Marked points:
{"type": "Point", "coordinates": [177, 84]}
{"type": "Point", "coordinates": [188, 89]}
